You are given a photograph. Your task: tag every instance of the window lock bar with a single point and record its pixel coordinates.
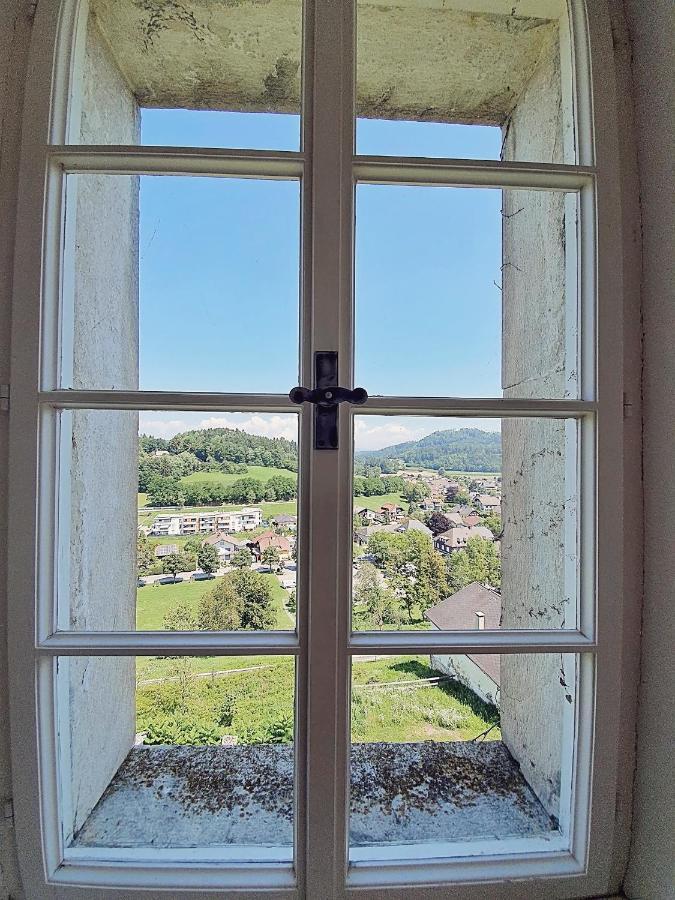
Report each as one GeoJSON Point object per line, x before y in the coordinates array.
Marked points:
{"type": "Point", "coordinates": [4, 397]}
{"type": "Point", "coordinates": [326, 397]}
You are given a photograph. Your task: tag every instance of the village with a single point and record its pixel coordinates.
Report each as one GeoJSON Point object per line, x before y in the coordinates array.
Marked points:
{"type": "Point", "coordinates": [457, 527]}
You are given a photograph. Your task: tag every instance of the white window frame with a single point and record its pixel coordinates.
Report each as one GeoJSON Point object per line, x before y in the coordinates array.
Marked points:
{"type": "Point", "coordinates": [323, 644]}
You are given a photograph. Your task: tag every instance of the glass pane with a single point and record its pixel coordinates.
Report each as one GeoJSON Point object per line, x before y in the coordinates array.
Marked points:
{"type": "Point", "coordinates": [465, 523]}
{"type": "Point", "coordinates": [181, 283]}
{"type": "Point", "coordinates": [455, 755]}
{"type": "Point", "coordinates": [465, 292]}
{"type": "Point", "coordinates": [178, 753]}
{"type": "Point", "coordinates": [177, 521]}
{"type": "Point", "coordinates": [206, 73]}
{"type": "Point", "coordinates": [479, 80]}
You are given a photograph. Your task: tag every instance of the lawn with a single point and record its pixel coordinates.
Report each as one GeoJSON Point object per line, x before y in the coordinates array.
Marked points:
{"type": "Point", "coordinates": [155, 600]}
{"type": "Point", "coordinates": [418, 710]}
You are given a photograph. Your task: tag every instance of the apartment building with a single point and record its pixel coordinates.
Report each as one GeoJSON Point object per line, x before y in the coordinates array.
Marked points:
{"type": "Point", "coordinates": [230, 520]}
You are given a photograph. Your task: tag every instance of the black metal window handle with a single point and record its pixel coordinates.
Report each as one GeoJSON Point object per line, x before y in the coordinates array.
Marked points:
{"type": "Point", "coordinates": [326, 397]}
{"type": "Point", "coordinates": [330, 396]}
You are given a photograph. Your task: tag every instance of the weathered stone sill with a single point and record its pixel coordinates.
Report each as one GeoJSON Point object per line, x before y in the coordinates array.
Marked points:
{"type": "Point", "coordinates": [214, 796]}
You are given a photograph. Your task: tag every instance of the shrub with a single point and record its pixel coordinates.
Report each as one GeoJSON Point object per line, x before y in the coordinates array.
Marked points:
{"type": "Point", "coordinates": [179, 731]}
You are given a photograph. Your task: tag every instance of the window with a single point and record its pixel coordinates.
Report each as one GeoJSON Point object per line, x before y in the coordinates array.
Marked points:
{"type": "Point", "coordinates": [392, 663]}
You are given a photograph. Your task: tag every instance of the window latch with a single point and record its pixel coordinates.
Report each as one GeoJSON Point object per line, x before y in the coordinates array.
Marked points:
{"type": "Point", "coordinates": [326, 397]}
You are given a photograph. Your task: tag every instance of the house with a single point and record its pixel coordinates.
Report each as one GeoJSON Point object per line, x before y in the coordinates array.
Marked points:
{"type": "Point", "coordinates": [487, 503]}
{"type": "Point", "coordinates": [225, 545]}
{"type": "Point", "coordinates": [465, 510]}
{"type": "Point", "coordinates": [482, 532]}
{"type": "Point", "coordinates": [471, 520]}
{"type": "Point", "coordinates": [452, 539]}
{"type": "Point", "coordinates": [439, 488]}
{"type": "Point", "coordinates": [474, 606]}
{"type": "Point", "coordinates": [415, 525]}
{"type": "Point", "coordinates": [285, 521]}
{"type": "Point", "coordinates": [455, 519]}
{"type": "Point", "coordinates": [162, 550]}
{"type": "Point", "coordinates": [362, 535]}
{"type": "Point", "coordinates": [258, 545]}
{"type": "Point", "coordinates": [366, 515]}
{"type": "Point", "coordinates": [391, 511]}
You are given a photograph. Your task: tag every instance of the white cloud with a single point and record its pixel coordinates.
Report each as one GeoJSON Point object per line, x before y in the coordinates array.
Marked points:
{"type": "Point", "coordinates": [374, 437]}
{"type": "Point", "coordinates": [161, 427]}
{"type": "Point", "coordinates": [265, 425]}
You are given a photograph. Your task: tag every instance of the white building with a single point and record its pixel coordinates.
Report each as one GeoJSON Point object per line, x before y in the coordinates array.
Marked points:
{"type": "Point", "coordinates": [231, 520]}
{"type": "Point", "coordinates": [474, 606]}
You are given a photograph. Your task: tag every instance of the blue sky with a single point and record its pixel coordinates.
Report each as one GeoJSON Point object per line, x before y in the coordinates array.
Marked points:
{"type": "Point", "coordinates": [219, 276]}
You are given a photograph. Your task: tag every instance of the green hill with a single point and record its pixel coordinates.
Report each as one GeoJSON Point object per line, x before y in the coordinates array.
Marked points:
{"type": "Point", "coordinates": [458, 450]}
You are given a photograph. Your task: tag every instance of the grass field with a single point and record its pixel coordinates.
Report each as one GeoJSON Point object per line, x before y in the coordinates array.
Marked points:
{"type": "Point", "coordinates": [376, 501]}
{"type": "Point", "coordinates": [154, 601]}
{"type": "Point", "coordinates": [261, 473]}
{"type": "Point", "coordinates": [393, 700]}
{"type": "Point", "coordinates": [445, 711]}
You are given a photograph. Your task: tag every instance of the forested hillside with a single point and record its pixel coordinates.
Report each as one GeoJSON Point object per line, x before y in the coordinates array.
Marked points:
{"type": "Point", "coordinates": [162, 463]}
{"type": "Point", "coordinates": [461, 450]}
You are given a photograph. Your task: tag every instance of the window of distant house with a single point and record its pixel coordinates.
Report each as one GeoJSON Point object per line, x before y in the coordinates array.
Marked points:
{"type": "Point", "coordinates": [261, 663]}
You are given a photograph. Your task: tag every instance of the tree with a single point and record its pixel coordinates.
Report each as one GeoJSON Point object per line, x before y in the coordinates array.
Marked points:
{"type": "Point", "coordinates": [145, 554]}
{"type": "Point", "coordinates": [291, 603]}
{"type": "Point", "coordinates": [165, 491]}
{"type": "Point", "coordinates": [187, 562]}
{"type": "Point", "coordinates": [172, 564]}
{"type": "Point", "coordinates": [180, 618]}
{"type": "Point", "coordinates": [221, 608]}
{"type": "Point", "coordinates": [416, 491]}
{"type": "Point", "coordinates": [478, 561]}
{"type": "Point", "coordinates": [256, 594]}
{"type": "Point", "coordinates": [241, 559]}
{"type": "Point", "coordinates": [438, 523]}
{"type": "Point", "coordinates": [415, 570]}
{"type": "Point", "coordinates": [378, 600]}
{"type": "Point", "coordinates": [494, 523]}
{"type": "Point", "coordinates": [193, 545]}
{"type": "Point", "coordinates": [243, 599]}
{"type": "Point", "coordinates": [270, 557]}
{"type": "Point", "coordinates": [208, 559]}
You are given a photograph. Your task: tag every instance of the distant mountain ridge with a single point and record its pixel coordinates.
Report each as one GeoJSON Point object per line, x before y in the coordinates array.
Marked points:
{"type": "Point", "coordinates": [460, 449]}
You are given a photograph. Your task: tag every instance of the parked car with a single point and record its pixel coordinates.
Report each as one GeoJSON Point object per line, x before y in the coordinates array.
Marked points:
{"type": "Point", "coordinates": [202, 576]}
{"type": "Point", "coordinates": [142, 582]}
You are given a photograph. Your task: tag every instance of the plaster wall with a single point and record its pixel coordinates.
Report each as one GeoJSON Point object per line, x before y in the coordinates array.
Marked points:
{"type": "Point", "coordinates": [102, 445]}
{"type": "Point", "coordinates": [459, 61]}
{"type": "Point", "coordinates": [533, 451]}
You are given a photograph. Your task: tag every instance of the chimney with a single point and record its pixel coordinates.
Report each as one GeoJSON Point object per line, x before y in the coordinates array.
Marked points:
{"type": "Point", "coordinates": [480, 620]}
